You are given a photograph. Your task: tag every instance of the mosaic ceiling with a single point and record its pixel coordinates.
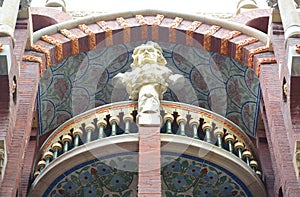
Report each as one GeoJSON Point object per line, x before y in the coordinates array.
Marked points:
{"type": "Point", "coordinates": [213, 81]}
{"type": "Point", "coordinates": [117, 176]}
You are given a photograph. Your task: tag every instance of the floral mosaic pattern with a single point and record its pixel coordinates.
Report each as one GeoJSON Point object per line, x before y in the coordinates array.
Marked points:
{"type": "Point", "coordinates": [186, 176]}
{"type": "Point", "coordinates": [115, 177]}
{"type": "Point", "coordinates": [182, 176]}
{"type": "Point", "coordinates": [213, 81]}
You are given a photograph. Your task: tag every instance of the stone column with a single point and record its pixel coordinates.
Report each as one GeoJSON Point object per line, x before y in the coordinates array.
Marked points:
{"type": "Point", "coordinates": [149, 181]}
{"type": "Point", "coordinates": [8, 17]}
{"type": "Point", "coordinates": [290, 19]}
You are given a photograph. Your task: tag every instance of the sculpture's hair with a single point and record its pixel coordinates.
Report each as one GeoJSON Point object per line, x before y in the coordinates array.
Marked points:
{"type": "Point", "coordinates": [161, 60]}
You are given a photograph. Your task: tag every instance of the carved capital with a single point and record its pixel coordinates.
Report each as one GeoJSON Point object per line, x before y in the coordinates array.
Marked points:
{"type": "Point", "coordinates": [273, 3]}
{"type": "Point", "coordinates": [13, 87]}
{"type": "Point", "coordinates": [297, 158]}
{"type": "Point", "coordinates": [2, 158]}
{"type": "Point", "coordinates": [298, 48]}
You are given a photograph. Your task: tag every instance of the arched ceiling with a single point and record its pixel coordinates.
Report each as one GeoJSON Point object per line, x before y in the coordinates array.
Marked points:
{"type": "Point", "coordinates": [213, 81]}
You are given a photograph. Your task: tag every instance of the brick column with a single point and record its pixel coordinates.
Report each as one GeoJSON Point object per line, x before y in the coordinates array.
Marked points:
{"type": "Point", "coordinates": [149, 183]}
{"type": "Point", "coordinates": [277, 133]}
{"type": "Point", "coordinates": [20, 133]}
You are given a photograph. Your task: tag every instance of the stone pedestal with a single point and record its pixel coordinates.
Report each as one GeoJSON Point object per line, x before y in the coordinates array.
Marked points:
{"type": "Point", "coordinates": [149, 183]}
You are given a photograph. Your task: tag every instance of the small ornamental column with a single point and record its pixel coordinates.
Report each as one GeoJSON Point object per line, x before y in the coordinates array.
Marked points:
{"type": "Point", "coordinates": [168, 119]}
{"type": "Point", "coordinates": [181, 121]}
{"type": "Point", "coordinates": [41, 166]}
{"type": "Point", "coordinates": [207, 129]}
{"type": "Point", "coordinates": [114, 121]}
{"type": "Point", "coordinates": [66, 139]}
{"type": "Point", "coordinates": [77, 134]}
{"type": "Point", "coordinates": [56, 147]}
{"type": "Point", "coordinates": [101, 125]}
{"type": "Point", "coordinates": [89, 129]}
{"type": "Point", "coordinates": [195, 123]}
{"type": "Point", "coordinates": [239, 147]}
{"type": "Point", "coordinates": [230, 140]}
{"type": "Point", "coordinates": [254, 165]}
{"type": "Point", "coordinates": [48, 156]}
{"type": "Point", "coordinates": [247, 156]}
{"type": "Point", "coordinates": [219, 133]}
{"type": "Point", "coordinates": [128, 118]}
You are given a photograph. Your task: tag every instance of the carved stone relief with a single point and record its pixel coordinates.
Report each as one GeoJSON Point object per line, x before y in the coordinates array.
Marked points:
{"type": "Point", "coordinates": [148, 80]}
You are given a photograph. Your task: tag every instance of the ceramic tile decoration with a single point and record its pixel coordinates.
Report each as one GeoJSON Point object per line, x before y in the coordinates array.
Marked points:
{"type": "Point", "coordinates": [213, 81]}
{"type": "Point", "coordinates": [189, 176]}
{"type": "Point", "coordinates": [116, 175]}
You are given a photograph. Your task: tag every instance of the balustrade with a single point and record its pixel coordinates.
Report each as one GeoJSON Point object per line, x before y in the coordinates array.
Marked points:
{"type": "Point", "coordinates": [209, 127]}
{"type": "Point", "coordinates": [86, 128]}
{"type": "Point", "coordinates": [119, 119]}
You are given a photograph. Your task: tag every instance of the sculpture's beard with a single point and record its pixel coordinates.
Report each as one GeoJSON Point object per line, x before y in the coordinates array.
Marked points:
{"type": "Point", "coordinates": [149, 99]}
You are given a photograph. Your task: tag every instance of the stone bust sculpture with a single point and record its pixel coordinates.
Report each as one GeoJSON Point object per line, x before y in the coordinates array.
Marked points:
{"type": "Point", "coordinates": [149, 78]}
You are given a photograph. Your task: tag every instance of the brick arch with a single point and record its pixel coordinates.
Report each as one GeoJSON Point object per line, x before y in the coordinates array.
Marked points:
{"type": "Point", "coordinates": [83, 36]}
{"type": "Point", "coordinates": [53, 48]}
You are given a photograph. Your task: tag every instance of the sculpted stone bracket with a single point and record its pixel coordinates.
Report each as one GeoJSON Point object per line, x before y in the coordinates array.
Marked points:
{"type": "Point", "coordinates": [293, 60]}
{"type": "Point", "coordinates": [297, 158]}
{"type": "Point", "coordinates": [2, 158]}
{"type": "Point", "coordinates": [148, 81]}
{"type": "Point", "coordinates": [5, 59]}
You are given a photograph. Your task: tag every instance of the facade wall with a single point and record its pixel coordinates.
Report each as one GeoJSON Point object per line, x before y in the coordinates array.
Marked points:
{"type": "Point", "coordinates": [275, 141]}
{"type": "Point", "coordinates": [16, 127]}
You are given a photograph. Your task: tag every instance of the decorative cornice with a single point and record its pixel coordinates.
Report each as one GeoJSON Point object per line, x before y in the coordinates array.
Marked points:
{"type": "Point", "coordinates": [41, 49]}
{"type": "Point", "coordinates": [57, 43]}
{"type": "Point", "coordinates": [73, 38]}
{"type": "Point", "coordinates": [172, 30]}
{"type": "Point", "coordinates": [144, 26]}
{"type": "Point", "coordinates": [225, 39]}
{"type": "Point", "coordinates": [230, 25]}
{"type": "Point", "coordinates": [207, 36]}
{"type": "Point", "coordinates": [176, 22]}
{"type": "Point", "coordinates": [190, 32]}
{"type": "Point", "coordinates": [31, 58]}
{"type": "Point", "coordinates": [241, 45]}
{"type": "Point", "coordinates": [123, 22]}
{"type": "Point", "coordinates": [126, 28]}
{"type": "Point", "coordinates": [267, 60]}
{"type": "Point", "coordinates": [91, 35]}
{"type": "Point", "coordinates": [158, 19]}
{"type": "Point", "coordinates": [108, 32]}
{"type": "Point", "coordinates": [256, 51]}
{"type": "Point", "coordinates": [141, 19]}
{"type": "Point", "coordinates": [104, 26]}
{"type": "Point", "coordinates": [150, 27]}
